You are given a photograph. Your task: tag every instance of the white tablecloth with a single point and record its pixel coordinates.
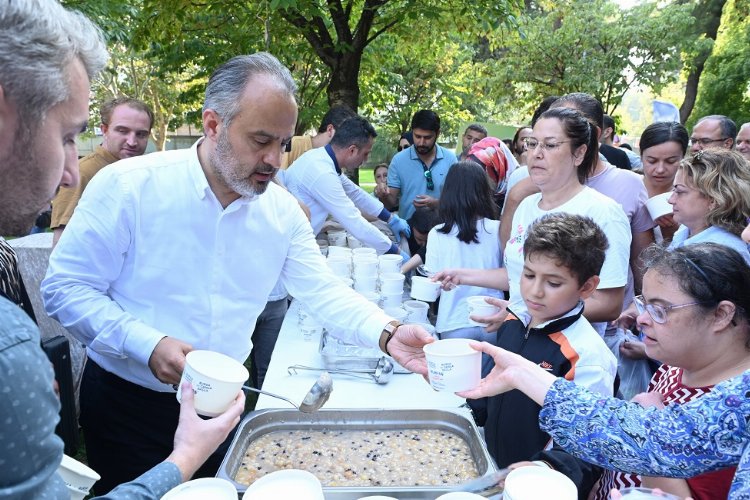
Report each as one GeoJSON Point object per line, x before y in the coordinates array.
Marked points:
{"type": "Point", "coordinates": [403, 390]}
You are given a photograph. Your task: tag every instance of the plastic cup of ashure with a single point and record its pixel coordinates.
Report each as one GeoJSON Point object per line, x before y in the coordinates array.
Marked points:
{"type": "Point", "coordinates": [533, 483]}
{"type": "Point", "coordinates": [658, 205]}
{"type": "Point", "coordinates": [459, 495]}
{"type": "Point", "coordinates": [479, 307]}
{"type": "Point", "coordinates": [424, 289]}
{"type": "Point", "coordinates": [452, 365]}
{"type": "Point", "coordinates": [199, 489]}
{"type": "Point", "coordinates": [391, 283]}
{"type": "Point", "coordinates": [364, 251]}
{"type": "Point", "coordinates": [337, 238]}
{"type": "Point", "coordinates": [390, 263]}
{"type": "Point", "coordinates": [640, 493]}
{"type": "Point", "coordinates": [78, 477]}
{"type": "Point", "coordinates": [282, 484]}
{"type": "Point", "coordinates": [216, 380]}
{"type": "Point", "coordinates": [417, 311]}
{"type": "Point", "coordinates": [397, 313]}
{"type": "Point", "coordinates": [391, 299]}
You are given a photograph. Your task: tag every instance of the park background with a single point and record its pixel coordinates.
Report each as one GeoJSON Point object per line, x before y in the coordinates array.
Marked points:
{"type": "Point", "coordinates": [489, 61]}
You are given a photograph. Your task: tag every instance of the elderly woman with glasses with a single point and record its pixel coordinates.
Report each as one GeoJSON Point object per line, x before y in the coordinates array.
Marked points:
{"type": "Point", "coordinates": [710, 201]}
{"type": "Point", "coordinates": [694, 422]}
{"type": "Point", "coordinates": [562, 150]}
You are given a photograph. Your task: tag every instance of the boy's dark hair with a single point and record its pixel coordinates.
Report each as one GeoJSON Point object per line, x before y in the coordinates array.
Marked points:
{"type": "Point", "coordinates": [426, 119]}
{"type": "Point", "coordinates": [423, 219]}
{"type": "Point", "coordinates": [354, 130]}
{"type": "Point", "coordinates": [335, 116]}
{"type": "Point", "coordinates": [575, 242]}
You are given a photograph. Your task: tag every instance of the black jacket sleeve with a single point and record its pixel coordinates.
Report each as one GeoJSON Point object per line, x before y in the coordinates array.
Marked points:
{"type": "Point", "coordinates": [583, 474]}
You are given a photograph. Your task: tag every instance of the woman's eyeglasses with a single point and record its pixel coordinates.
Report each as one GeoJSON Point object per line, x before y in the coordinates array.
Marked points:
{"type": "Point", "coordinates": [659, 312]}
{"type": "Point", "coordinates": [531, 144]}
{"type": "Point", "coordinates": [401, 148]}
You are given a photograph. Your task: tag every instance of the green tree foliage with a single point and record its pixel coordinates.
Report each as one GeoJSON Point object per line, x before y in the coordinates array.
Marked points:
{"type": "Point", "coordinates": [590, 46]}
{"type": "Point", "coordinates": [725, 84]}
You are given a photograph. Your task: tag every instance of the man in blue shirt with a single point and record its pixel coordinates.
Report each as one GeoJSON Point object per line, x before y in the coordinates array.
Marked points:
{"type": "Point", "coordinates": [416, 174]}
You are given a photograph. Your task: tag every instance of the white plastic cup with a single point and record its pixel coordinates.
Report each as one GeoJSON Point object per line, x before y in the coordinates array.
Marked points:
{"type": "Point", "coordinates": [353, 242]}
{"type": "Point", "coordinates": [460, 495]}
{"type": "Point", "coordinates": [364, 251]}
{"type": "Point", "coordinates": [334, 251]}
{"type": "Point", "coordinates": [640, 493]}
{"type": "Point", "coordinates": [479, 307]}
{"type": "Point", "coordinates": [452, 365]}
{"type": "Point", "coordinates": [390, 263]}
{"type": "Point", "coordinates": [216, 380]}
{"type": "Point", "coordinates": [658, 205]}
{"type": "Point", "coordinates": [533, 483]}
{"type": "Point", "coordinates": [289, 483]}
{"type": "Point", "coordinates": [310, 328]}
{"type": "Point", "coordinates": [427, 326]}
{"type": "Point", "coordinates": [397, 313]}
{"type": "Point", "coordinates": [391, 283]}
{"type": "Point", "coordinates": [373, 297]}
{"type": "Point", "coordinates": [337, 238]}
{"type": "Point", "coordinates": [78, 477]}
{"type": "Point", "coordinates": [340, 266]}
{"type": "Point", "coordinates": [198, 489]}
{"type": "Point", "coordinates": [365, 264]}
{"type": "Point", "coordinates": [365, 283]}
{"type": "Point", "coordinates": [391, 299]}
{"type": "Point", "coordinates": [424, 289]}
{"type": "Point", "coordinates": [417, 311]}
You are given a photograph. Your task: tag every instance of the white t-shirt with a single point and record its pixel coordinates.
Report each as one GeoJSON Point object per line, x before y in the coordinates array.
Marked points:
{"type": "Point", "coordinates": [447, 251]}
{"type": "Point", "coordinates": [606, 212]}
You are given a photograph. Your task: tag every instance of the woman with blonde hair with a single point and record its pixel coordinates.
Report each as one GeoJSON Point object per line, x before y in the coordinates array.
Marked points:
{"type": "Point", "coordinates": [711, 199]}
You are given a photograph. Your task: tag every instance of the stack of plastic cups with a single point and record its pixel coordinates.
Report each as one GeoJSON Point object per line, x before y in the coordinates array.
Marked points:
{"type": "Point", "coordinates": [310, 328]}
{"type": "Point", "coordinates": [417, 311]}
{"type": "Point", "coordinates": [323, 245]}
{"type": "Point", "coordinates": [337, 238]}
{"type": "Point", "coordinates": [353, 242]}
{"type": "Point", "coordinates": [391, 289]}
{"type": "Point", "coordinates": [365, 272]}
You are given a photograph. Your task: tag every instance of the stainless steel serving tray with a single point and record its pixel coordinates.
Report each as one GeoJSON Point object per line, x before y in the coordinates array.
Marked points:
{"type": "Point", "coordinates": [334, 357]}
{"type": "Point", "coordinates": [261, 422]}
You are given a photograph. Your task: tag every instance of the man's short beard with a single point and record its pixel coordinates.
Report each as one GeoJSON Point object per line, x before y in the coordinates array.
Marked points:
{"type": "Point", "coordinates": [222, 160]}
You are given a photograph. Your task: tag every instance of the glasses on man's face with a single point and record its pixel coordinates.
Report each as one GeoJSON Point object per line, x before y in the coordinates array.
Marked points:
{"type": "Point", "coordinates": [428, 176]}
{"type": "Point", "coordinates": [531, 144]}
{"type": "Point", "coordinates": [658, 312]}
{"type": "Point", "coordinates": [705, 141]}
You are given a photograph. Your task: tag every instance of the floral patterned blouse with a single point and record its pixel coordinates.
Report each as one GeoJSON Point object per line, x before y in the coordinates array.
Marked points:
{"type": "Point", "coordinates": [679, 441]}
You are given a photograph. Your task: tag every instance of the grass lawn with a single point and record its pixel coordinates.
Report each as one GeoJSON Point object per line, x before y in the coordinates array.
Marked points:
{"type": "Point", "coordinates": [367, 179]}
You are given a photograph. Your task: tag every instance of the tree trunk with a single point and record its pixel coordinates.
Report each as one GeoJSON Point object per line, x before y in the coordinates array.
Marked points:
{"type": "Point", "coordinates": [344, 89]}
{"type": "Point", "coordinates": [708, 16]}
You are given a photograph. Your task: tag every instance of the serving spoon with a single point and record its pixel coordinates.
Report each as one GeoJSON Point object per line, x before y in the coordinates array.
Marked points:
{"type": "Point", "coordinates": [485, 486]}
{"type": "Point", "coordinates": [381, 374]}
{"type": "Point", "coordinates": [314, 399]}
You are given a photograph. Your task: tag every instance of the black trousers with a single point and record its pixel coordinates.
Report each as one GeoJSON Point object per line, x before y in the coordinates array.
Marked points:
{"type": "Point", "coordinates": [129, 429]}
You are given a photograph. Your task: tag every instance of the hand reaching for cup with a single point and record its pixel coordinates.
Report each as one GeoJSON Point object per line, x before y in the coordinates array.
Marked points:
{"type": "Point", "coordinates": [195, 438]}
{"type": "Point", "coordinates": [406, 347]}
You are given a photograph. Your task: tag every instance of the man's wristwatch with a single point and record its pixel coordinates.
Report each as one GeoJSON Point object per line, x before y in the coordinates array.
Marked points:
{"type": "Point", "coordinates": [389, 331]}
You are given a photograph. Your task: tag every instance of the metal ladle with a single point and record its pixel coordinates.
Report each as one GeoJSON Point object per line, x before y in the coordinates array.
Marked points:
{"type": "Point", "coordinates": [314, 399]}
{"type": "Point", "coordinates": [381, 374]}
{"type": "Point", "coordinates": [486, 486]}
